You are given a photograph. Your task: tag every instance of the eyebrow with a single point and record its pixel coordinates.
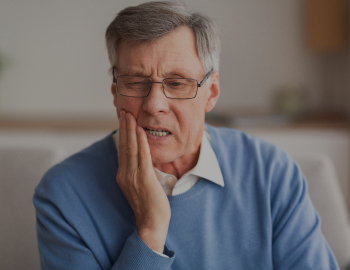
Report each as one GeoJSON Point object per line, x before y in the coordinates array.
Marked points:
{"type": "Point", "coordinates": [174, 73]}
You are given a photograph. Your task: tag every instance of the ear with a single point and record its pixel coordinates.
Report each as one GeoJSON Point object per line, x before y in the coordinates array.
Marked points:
{"type": "Point", "coordinates": [114, 93]}
{"type": "Point", "coordinates": [214, 92]}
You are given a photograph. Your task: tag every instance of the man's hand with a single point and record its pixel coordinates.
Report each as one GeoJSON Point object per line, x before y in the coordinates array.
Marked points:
{"type": "Point", "coordinates": [139, 183]}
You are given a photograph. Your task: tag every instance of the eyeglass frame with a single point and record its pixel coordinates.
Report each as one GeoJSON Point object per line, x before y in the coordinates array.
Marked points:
{"type": "Point", "coordinates": [149, 91]}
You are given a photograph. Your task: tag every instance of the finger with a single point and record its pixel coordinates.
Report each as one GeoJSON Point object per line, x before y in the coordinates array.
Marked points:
{"type": "Point", "coordinates": [123, 140]}
{"type": "Point", "coordinates": [144, 153]}
{"type": "Point", "coordinates": [132, 147]}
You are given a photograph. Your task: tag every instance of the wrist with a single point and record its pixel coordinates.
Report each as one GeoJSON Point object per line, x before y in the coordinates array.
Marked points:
{"type": "Point", "coordinates": [154, 238]}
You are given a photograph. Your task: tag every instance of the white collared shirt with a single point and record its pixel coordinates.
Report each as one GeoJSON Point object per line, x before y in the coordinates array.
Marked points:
{"type": "Point", "coordinates": [207, 167]}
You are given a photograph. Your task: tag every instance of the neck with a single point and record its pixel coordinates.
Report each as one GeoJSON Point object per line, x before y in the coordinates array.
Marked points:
{"type": "Point", "coordinates": [180, 166]}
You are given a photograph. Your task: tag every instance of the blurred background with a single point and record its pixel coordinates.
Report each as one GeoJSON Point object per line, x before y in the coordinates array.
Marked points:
{"type": "Point", "coordinates": [56, 66]}
{"type": "Point", "coordinates": [284, 77]}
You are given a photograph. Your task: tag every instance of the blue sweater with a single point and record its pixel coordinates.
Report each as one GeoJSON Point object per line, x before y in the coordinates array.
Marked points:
{"type": "Point", "coordinates": [262, 219]}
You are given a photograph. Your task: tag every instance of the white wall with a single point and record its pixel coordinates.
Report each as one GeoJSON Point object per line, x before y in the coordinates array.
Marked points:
{"type": "Point", "coordinates": [59, 61]}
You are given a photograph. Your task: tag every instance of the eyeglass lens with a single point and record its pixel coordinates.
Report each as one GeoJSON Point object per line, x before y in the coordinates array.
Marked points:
{"type": "Point", "coordinates": [134, 86]}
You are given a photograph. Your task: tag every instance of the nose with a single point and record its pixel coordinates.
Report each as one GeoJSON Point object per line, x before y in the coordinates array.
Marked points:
{"type": "Point", "coordinates": [156, 102]}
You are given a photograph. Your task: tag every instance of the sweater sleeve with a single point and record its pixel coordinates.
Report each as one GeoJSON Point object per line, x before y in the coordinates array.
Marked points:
{"type": "Point", "coordinates": [137, 255]}
{"type": "Point", "coordinates": [61, 246]}
{"type": "Point", "coordinates": [298, 242]}
{"type": "Point", "coordinates": [84, 224]}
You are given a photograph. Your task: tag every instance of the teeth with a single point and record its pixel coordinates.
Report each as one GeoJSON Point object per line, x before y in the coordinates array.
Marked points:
{"type": "Point", "coordinates": [157, 132]}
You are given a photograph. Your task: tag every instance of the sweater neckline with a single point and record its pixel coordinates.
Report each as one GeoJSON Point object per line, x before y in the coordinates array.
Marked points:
{"type": "Point", "coordinates": [194, 191]}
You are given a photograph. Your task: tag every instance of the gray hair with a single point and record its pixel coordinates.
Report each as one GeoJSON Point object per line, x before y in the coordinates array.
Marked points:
{"type": "Point", "coordinates": [152, 20]}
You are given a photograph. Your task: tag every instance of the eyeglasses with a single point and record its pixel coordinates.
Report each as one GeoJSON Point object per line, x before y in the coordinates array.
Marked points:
{"type": "Point", "coordinates": [174, 88]}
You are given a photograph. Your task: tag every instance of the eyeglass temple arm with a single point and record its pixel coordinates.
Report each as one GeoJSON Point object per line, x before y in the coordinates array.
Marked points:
{"type": "Point", "coordinates": [206, 77]}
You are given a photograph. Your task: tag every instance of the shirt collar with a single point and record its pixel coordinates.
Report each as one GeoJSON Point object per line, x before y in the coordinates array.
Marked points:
{"type": "Point", "coordinates": [208, 166]}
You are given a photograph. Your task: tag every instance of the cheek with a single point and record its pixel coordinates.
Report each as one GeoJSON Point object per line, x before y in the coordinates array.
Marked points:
{"type": "Point", "coordinates": [191, 116]}
{"type": "Point", "coordinates": [132, 105]}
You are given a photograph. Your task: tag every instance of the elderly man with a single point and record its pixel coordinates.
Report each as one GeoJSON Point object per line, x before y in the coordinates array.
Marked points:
{"type": "Point", "coordinates": [166, 191]}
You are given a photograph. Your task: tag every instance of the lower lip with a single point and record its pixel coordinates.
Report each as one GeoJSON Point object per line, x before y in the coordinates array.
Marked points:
{"type": "Point", "coordinates": [157, 138]}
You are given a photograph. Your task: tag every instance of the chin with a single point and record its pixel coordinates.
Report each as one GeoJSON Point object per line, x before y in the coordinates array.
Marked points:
{"type": "Point", "coordinates": [159, 156]}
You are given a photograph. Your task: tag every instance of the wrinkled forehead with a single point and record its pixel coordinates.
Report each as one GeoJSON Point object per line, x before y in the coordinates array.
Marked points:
{"type": "Point", "coordinates": [175, 51]}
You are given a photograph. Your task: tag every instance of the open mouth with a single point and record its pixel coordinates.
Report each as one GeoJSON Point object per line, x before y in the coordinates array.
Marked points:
{"type": "Point", "coordinates": [157, 132]}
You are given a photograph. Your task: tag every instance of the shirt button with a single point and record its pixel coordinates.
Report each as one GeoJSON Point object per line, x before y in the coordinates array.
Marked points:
{"type": "Point", "coordinates": [170, 181]}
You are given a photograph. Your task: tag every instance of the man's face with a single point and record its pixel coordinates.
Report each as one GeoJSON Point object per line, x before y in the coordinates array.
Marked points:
{"type": "Point", "coordinates": [174, 55]}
